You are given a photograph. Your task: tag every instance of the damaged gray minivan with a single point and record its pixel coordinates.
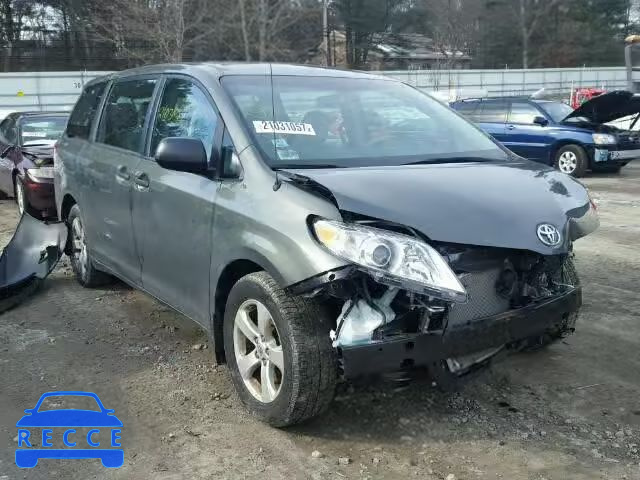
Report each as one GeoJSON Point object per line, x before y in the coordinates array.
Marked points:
{"type": "Point", "coordinates": [320, 224]}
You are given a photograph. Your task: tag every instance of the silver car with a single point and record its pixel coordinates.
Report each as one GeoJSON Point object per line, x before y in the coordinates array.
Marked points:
{"type": "Point", "coordinates": [319, 224]}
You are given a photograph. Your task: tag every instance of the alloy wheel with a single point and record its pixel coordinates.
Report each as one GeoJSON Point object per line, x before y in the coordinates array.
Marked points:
{"type": "Point", "coordinates": [568, 162]}
{"type": "Point", "coordinates": [79, 245]}
{"type": "Point", "coordinates": [258, 351]}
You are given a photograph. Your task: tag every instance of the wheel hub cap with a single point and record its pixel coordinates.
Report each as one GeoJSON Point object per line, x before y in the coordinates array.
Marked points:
{"type": "Point", "coordinates": [20, 197]}
{"type": "Point", "coordinates": [258, 351]}
{"type": "Point", "coordinates": [79, 245]}
{"type": "Point", "coordinates": [568, 162]}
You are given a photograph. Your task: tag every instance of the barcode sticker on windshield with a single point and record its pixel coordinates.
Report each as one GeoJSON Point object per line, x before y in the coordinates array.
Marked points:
{"type": "Point", "coordinates": [290, 128]}
{"type": "Point", "coordinates": [34, 134]}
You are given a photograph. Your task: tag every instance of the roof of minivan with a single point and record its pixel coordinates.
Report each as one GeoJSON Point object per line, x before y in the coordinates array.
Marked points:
{"type": "Point", "coordinates": [221, 69]}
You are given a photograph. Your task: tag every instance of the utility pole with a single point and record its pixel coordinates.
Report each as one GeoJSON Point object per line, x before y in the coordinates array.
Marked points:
{"type": "Point", "coordinates": [326, 42]}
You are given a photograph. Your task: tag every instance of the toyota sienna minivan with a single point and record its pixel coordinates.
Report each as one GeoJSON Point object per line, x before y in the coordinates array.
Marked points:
{"type": "Point", "coordinates": [319, 224]}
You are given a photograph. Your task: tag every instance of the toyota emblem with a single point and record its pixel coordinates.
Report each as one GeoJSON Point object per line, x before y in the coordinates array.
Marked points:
{"type": "Point", "coordinates": [549, 235]}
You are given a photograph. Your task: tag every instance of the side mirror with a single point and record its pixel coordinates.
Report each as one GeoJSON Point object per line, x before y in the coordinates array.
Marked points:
{"type": "Point", "coordinates": [182, 155]}
{"type": "Point", "coordinates": [29, 410]}
{"type": "Point", "coordinates": [229, 164]}
{"type": "Point", "coordinates": [543, 122]}
{"type": "Point", "coordinates": [6, 151]}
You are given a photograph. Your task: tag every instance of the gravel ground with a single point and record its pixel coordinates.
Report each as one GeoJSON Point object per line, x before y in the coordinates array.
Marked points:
{"type": "Point", "coordinates": [571, 412]}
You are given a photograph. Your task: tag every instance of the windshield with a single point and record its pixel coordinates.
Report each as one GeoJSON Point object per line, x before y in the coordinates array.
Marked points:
{"type": "Point", "coordinates": [556, 110]}
{"type": "Point", "coordinates": [310, 122]}
{"type": "Point", "coordinates": [41, 129]}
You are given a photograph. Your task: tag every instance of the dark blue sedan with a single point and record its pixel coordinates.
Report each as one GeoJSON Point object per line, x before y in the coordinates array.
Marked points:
{"type": "Point", "coordinates": [553, 133]}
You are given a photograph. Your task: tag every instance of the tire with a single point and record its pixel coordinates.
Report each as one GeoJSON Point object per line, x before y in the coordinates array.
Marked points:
{"type": "Point", "coordinates": [296, 333]}
{"type": "Point", "coordinates": [20, 196]}
{"type": "Point", "coordinates": [572, 160]}
{"type": "Point", "coordinates": [86, 274]}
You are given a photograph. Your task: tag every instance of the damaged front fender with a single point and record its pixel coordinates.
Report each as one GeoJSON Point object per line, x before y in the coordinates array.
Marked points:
{"type": "Point", "coordinates": [32, 253]}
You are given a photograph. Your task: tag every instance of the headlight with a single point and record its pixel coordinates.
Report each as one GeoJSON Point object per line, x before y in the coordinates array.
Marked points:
{"type": "Point", "coordinates": [604, 139]}
{"type": "Point", "coordinates": [396, 259]}
{"type": "Point", "coordinates": [41, 173]}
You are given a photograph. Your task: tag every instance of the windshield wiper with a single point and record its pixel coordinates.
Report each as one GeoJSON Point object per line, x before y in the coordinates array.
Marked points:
{"type": "Point", "coordinates": [430, 161]}
{"type": "Point", "coordinates": [305, 166]}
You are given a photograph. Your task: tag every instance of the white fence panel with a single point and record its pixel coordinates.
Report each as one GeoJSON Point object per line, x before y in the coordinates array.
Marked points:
{"type": "Point", "coordinates": [454, 84]}
{"type": "Point", "coordinates": [41, 91]}
{"type": "Point", "coordinates": [48, 91]}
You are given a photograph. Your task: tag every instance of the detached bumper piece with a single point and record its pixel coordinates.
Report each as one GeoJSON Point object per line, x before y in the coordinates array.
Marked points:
{"type": "Point", "coordinates": [30, 256]}
{"type": "Point", "coordinates": [508, 329]}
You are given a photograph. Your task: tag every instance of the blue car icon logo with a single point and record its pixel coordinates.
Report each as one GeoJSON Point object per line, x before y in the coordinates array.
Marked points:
{"type": "Point", "coordinates": [69, 433]}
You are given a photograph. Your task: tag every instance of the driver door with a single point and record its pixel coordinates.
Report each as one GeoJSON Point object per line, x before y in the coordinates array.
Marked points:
{"type": "Point", "coordinates": [173, 211]}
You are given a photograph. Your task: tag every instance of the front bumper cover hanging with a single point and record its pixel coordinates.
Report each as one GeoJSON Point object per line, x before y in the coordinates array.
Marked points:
{"type": "Point", "coordinates": [31, 255]}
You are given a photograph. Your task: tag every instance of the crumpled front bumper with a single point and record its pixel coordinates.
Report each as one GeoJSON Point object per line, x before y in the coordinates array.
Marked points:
{"type": "Point", "coordinates": [509, 328]}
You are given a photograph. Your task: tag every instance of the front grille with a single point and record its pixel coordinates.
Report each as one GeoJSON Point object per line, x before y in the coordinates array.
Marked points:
{"type": "Point", "coordinates": [483, 301]}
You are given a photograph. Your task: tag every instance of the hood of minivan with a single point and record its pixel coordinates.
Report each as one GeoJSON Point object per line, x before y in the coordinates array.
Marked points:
{"type": "Point", "coordinates": [486, 204]}
{"type": "Point", "coordinates": [608, 107]}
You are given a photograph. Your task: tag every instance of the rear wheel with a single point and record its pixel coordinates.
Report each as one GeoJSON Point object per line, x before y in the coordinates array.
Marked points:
{"type": "Point", "coordinates": [86, 274]}
{"type": "Point", "coordinates": [572, 160]}
{"type": "Point", "coordinates": [21, 198]}
{"type": "Point", "coordinates": [279, 352]}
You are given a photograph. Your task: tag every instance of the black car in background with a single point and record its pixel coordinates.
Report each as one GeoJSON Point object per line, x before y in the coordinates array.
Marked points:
{"type": "Point", "coordinates": [27, 140]}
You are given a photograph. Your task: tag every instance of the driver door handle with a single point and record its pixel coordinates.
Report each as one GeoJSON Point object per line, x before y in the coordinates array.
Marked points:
{"type": "Point", "coordinates": [122, 173]}
{"type": "Point", "coordinates": [511, 127]}
{"type": "Point", "coordinates": [142, 182]}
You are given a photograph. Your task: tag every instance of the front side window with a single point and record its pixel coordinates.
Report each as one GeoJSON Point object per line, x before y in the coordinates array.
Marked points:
{"type": "Point", "coordinates": [343, 122]}
{"type": "Point", "coordinates": [84, 112]}
{"type": "Point", "coordinates": [556, 110]}
{"type": "Point", "coordinates": [522, 112]}
{"type": "Point", "coordinates": [123, 119]}
{"type": "Point", "coordinates": [42, 129]}
{"type": "Point", "coordinates": [185, 111]}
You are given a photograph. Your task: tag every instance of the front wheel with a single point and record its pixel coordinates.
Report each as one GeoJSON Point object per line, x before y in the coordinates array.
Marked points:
{"type": "Point", "coordinates": [572, 160]}
{"type": "Point", "coordinates": [279, 353]}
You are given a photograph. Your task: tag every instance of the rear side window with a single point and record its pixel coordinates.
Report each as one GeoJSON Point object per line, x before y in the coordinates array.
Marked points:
{"type": "Point", "coordinates": [466, 108]}
{"type": "Point", "coordinates": [124, 115]}
{"type": "Point", "coordinates": [491, 112]}
{"type": "Point", "coordinates": [84, 112]}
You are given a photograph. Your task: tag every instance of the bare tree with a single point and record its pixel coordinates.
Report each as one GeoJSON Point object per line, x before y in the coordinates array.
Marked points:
{"type": "Point", "coordinates": [154, 30]}
{"type": "Point", "coordinates": [262, 24]}
{"type": "Point", "coordinates": [530, 14]}
{"type": "Point", "coordinates": [453, 25]}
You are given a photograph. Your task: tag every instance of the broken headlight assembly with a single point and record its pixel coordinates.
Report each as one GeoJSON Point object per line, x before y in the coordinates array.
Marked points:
{"type": "Point", "coordinates": [391, 258]}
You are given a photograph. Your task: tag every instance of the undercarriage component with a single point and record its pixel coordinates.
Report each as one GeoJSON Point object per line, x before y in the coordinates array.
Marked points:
{"type": "Point", "coordinates": [507, 329]}
{"type": "Point", "coordinates": [29, 257]}
{"type": "Point", "coordinates": [360, 318]}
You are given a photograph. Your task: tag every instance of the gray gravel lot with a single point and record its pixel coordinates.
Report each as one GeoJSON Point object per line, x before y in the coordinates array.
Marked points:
{"type": "Point", "coordinates": [571, 412]}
